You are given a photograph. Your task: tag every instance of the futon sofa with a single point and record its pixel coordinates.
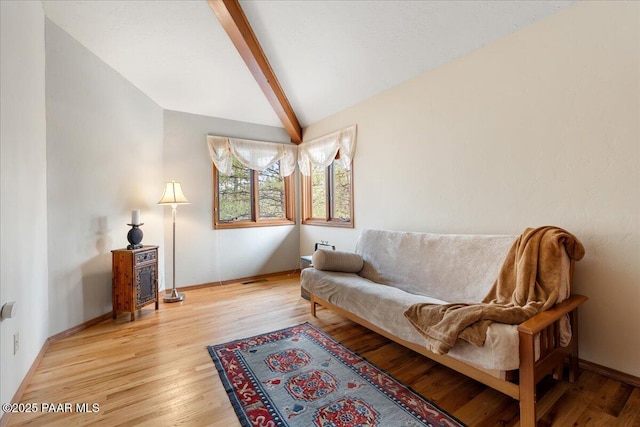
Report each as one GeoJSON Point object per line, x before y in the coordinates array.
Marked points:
{"type": "Point", "coordinates": [394, 278]}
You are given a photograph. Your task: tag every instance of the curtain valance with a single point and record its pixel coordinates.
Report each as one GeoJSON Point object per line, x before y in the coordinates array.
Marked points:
{"type": "Point", "coordinates": [322, 151]}
{"type": "Point", "coordinates": [257, 155]}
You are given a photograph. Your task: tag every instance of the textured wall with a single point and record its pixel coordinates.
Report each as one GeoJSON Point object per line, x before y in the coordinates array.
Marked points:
{"type": "Point", "coordinates": [104, 159]}
{"type": "Point", "coordinates": [540, 127]}
{"type": "Point", "coordinates": [23, 204]}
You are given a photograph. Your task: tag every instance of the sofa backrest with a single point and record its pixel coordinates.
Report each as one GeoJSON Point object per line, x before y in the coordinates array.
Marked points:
{"type": "Point", "coordinates": [449, 267]}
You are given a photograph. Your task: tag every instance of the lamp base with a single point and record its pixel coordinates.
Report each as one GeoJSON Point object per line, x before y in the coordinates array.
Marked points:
{"type": "Point", "coordinates": [174, 296]}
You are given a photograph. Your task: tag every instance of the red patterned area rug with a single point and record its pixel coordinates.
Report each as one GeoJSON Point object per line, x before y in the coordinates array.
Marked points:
{"type": "Point", "coordinates": [299, 376]}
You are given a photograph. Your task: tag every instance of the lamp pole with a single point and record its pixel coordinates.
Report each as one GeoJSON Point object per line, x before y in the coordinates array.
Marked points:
{"type": "Point", "coordinates": [174, 296]}
{"type": "Point", "coordinates": [173, 196]}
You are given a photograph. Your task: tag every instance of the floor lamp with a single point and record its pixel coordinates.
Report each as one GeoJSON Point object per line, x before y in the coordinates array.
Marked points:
{"type": "Point", "coordinates": [173, 196]}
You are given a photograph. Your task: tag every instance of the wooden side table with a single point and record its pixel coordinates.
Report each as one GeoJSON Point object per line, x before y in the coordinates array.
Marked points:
{"type": "Point", "coordinates": [135, 279]}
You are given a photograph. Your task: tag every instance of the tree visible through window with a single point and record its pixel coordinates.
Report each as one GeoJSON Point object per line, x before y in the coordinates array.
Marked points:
{"type": "Point", "coordinates": [341, 190]}
{"type": "Point", "coordinates": [319, 192]}
{"type": "Point", "coordinates": [272, 201]}
{"type": "Point", "coordinates": [252, 198]}
{"type": "Point", "coordinates": [234, 201]}
{"type": "Point", "coordinates": [328, 196]}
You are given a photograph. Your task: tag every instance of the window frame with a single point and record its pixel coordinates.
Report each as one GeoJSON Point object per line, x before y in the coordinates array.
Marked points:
{"type": "Point", "coordinates": [289, 191]}
{"type": "Point", "coordinates": [306, 204]}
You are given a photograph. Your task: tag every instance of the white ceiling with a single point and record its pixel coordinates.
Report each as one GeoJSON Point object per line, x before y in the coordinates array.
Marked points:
{"type": "Point", "coordinates": [328, 55]}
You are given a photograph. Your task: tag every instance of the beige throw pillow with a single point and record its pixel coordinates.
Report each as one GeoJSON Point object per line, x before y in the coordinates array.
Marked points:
{"type": "Point", "coordinates": [346, 262]}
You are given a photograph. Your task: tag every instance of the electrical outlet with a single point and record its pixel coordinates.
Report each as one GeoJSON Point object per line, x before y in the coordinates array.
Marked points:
{"type": "Point", "coordinates": [16, 342]}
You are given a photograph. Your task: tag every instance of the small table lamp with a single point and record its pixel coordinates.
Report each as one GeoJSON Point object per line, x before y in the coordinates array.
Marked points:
{"type": "Point", "coordinates": [173, 196]}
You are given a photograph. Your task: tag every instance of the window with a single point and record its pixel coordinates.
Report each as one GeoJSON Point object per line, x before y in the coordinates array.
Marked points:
{"type": "Point", "coordinates": [327, 196]}
{"type": "Point", "coordinates": [250, 198]}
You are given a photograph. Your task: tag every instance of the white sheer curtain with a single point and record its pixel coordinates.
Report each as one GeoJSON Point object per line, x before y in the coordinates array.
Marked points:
{"type": "Point", "coordinates": [322, 151]}
{"type": "Point", "coordinates": [257, 155]}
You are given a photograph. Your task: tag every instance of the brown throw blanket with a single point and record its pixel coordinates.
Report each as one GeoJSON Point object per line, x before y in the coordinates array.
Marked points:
{"type": "Point", "coordinates": [527, 284]}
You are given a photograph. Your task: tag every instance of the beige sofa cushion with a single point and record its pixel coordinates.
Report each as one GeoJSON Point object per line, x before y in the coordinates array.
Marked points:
{"type": "Point", "coordinates": [384, 306]}
{"type": "Point", "coordinates": [448, 267]}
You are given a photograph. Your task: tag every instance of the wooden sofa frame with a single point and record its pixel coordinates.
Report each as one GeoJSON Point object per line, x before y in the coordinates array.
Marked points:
{"type": "Point", "coordinates": [521, 384]}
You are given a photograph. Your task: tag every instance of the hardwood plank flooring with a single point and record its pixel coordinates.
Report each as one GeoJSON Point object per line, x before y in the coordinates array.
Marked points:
{"type": "Point", "coordinates": [156, 370]}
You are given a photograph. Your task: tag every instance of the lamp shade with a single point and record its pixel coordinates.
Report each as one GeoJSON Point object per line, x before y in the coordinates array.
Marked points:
{"type": "Point", "coordinates": [173, 195]}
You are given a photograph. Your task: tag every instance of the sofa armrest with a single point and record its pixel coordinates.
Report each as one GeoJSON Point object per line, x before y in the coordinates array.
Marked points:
{"type": "Point", "coordinates": [542, 320]}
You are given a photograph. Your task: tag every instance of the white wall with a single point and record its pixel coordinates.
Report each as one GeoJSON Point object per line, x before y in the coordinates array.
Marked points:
{"type": "Point", "coordinates": [205, 255]}
{"type": "Point", "coordinates": [540, 127]}
{"type": "Point", "coordinates": [104, 154]}
{"type": "Point", "coordinates": [23, 201]}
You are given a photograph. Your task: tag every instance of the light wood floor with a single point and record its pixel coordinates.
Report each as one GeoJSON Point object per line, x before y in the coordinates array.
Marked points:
{"type": "Point", "coordinates": [156, 371]}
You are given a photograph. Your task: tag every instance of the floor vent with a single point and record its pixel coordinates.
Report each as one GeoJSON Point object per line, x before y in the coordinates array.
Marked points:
{"type": "Point", "coordinates": [249, 282]}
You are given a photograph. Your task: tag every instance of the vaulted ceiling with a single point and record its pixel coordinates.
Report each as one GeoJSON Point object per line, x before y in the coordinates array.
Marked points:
{"type": "Point", "coordinates": [327, 55]}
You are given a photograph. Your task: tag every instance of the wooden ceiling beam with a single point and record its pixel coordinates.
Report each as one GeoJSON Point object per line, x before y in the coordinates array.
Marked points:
{"type": "Point", "coordinates": [235, 23]}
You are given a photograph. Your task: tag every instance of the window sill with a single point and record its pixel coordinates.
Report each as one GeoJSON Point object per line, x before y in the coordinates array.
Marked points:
{"type": "Point", "coordinates": [328, 223]}
{"type": "Point", "coordinates": [251, 224]}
